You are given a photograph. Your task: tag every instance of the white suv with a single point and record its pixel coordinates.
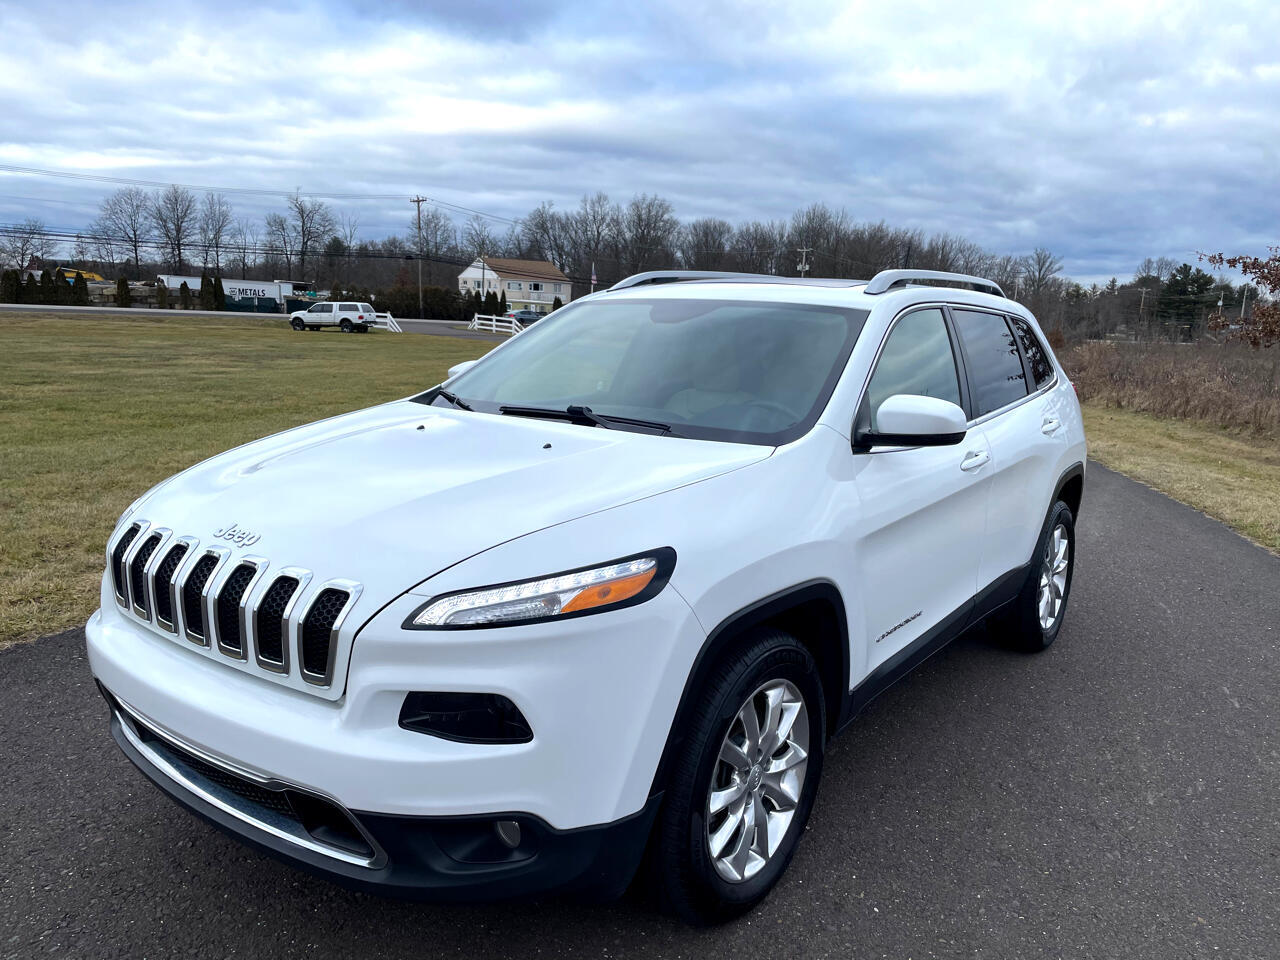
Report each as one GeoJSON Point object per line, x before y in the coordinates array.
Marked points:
{"type": "Point", "coordinates": [347, 317]}
{"type": "Point", "coordinates": [612, 590]}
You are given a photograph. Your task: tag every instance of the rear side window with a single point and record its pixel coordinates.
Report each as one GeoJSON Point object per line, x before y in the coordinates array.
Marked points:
{"type": "Point", "coordinates": [916, 359]}
{"type": "Point", "coordinates": [366, 308]}
{"type": "Point", "coordinates": [347, 308]}
{"type": "Point", "coordinates": [1037, 357]}
{"type": "Point", "coordinates": [992, 360]}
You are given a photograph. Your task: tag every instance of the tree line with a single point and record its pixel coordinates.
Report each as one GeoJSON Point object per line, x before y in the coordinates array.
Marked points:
{"type": "Point", "coordinates": [139, 233]}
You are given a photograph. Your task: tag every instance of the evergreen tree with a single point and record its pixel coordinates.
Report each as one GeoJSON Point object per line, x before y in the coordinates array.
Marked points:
{"type": "Point", "coordinates": [219, 294]}
{"type": "Point", "coordinates": [80, 291]}
{"type": "Point", "coordinates": [162, 296]}
{"type": "Point", "coordinates": [502, 302]}
{"type": "Point", "coordinates": [556, 304]}
{"type": "Point", "coordinates": [205, 295]}
{"type": "Point", "coordinates": [48, 292]}
{"type": "Point", "coordinates": [490, 303]}
{"type": "Point", "coordinates": [31, 289]}
{"type": "Point", "coordinates": [184, 296]}
{"type": "Point", "coordinates": [123, 297]}
{"type": "Point", "coordinates": [11, 287]}
{"type": "Point", "coordinates": [61, 290]}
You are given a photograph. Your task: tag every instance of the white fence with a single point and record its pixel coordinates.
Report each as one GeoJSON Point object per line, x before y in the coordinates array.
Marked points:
{"type": "Point", "coordinates": [495, 324]}
{"type": "Point", "coordinates": [388, 322]}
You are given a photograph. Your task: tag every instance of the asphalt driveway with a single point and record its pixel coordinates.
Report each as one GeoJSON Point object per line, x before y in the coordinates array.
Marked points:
{"type": "Point", "coordinates": [1117, 796]}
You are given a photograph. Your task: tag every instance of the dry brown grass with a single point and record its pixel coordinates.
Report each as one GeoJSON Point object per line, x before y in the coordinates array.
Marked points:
{"type": "Point", "coordinates": [1224, 385]}
{"type": "Point", "coordinates": [1230, 476]}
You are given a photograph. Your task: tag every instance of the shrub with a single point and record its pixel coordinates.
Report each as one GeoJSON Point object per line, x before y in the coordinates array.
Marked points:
{"type": "Point", "coordinates": [123, 297]}
{"type": "Point", "coordinates": [80, 291]}
{"type": "Point", "coordinates": [556, 304]}
{"type": "Point", "coordinates": [184, 296]}
{"type": "Point", "coordinates": [162, 297]}
{"type": "Point", "coordinates": [11, 287]}
{"type": "Point", "coordinates": [1230, 385]}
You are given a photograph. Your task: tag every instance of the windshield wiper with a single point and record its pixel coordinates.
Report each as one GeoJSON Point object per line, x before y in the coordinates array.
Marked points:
{"type": "Point", "coordinates": [454, 399]}
{"type": "Point", "coordinates": [575, 413]}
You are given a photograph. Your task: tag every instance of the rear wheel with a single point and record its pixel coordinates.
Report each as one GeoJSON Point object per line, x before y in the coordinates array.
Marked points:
{"type": "Point", "coordinates": [363, 328]}
{"type": "Point", "coordinates": [743, 782]}
{"type": "Point", "coordinates": [297, 324]}
{"type": "Point", "coordinates": [1033, 620]}
{"type": "Point", "coordinates": [345, 326]}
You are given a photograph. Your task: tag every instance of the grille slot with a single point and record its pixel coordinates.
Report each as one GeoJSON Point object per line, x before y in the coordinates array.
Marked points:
{"type": "Point", "coordinates": [164, 583]}
{"type": "Point", "coordinates": [227, 608]}
{"type": "Point", "coordinates": [117, 563]}
{"type": "Point", "coordinates": [192, 602]}
{"type": "Point", "coordinates": [137, 582]}
{"type": "Point", "coordinates": [269, 633]}
{"type": "Point", "coordinates": [317, 632]}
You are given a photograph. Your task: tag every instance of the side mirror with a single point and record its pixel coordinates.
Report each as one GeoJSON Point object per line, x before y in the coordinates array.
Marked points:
{"type": "Point", "coordinates": [906, 420]}
{"type": "Point", "coordinates": [462, 367]}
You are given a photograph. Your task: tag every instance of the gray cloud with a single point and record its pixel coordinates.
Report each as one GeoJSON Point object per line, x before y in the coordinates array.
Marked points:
{"type": "Point", "coordinates": [1106, 132]}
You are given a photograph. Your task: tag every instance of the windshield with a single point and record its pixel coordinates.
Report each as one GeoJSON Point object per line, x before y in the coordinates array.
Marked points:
{"type": "Point", "coordinates": [748, 372]}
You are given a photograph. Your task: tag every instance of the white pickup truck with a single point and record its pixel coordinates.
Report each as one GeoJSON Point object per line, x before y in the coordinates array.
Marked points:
{"type": "Point", "coordinates": [347, 317]}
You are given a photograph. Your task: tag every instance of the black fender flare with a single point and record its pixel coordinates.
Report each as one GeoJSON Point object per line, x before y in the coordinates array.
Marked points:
{"type": "Point", "coordinates": [722, 637]}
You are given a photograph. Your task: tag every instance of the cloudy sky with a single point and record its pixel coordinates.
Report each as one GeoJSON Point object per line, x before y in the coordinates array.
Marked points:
{"type": "Point", "coordinates": [1106, 131]}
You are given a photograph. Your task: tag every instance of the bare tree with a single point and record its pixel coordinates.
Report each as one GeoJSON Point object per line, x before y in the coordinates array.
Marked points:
{"type": "Point", "coordinates": [173, 213]}
{"type": "Point", "coordinates": [30, 238]}
{"type": "Point", "coordinates": [244, 240]}
{"type": "Point", "coordinates": [477, 239]}
{"type": "Point", "coordinates": [280, 238]}
{"type": "Point", "coordinates": [125, 217]}
{"type": "Point", "coordinates": [648, 233]}
{"type": "Point", "coordinates": [312, 224]}
{"type": "Point", "coordinates": [703, 244]}
{"type": "Point", "coordinates": [215, 226]}
{"type": "Point", "coordinates": [1039, 269]}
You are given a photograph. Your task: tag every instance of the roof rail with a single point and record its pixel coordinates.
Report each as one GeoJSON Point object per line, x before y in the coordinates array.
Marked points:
{"type": "Point", "coordinates": [675, 276]}
{"type": "Point", "coordinates": [886, 280]}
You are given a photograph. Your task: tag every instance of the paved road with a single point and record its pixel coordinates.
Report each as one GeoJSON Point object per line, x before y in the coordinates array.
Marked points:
{"type": "Point", "coordinates": [1115, 797]}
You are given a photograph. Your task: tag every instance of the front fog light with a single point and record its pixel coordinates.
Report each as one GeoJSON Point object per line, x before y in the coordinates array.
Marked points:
{"type": "Point", "coordinates": [616, 584]}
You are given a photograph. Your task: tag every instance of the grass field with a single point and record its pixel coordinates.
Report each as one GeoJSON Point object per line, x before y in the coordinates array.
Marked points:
{"type": "Point", "coordinates": [94, 410]}
{"type": "Point", "coordinates": [1233, 476]}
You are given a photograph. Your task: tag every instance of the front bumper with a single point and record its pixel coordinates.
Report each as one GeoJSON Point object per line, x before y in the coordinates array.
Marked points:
{"type": "Point", "coordinates": [430, 858]}
{"type": "Point", "coordinates": [599, 694]}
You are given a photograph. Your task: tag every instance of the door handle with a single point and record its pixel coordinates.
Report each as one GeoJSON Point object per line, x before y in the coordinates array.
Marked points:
{"type": "Point", "coordinates": [1050, 425]}
{"type": "Point", "coordinates": [974, 459]}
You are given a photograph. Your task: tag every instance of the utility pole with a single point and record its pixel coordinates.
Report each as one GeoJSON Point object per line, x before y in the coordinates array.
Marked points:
{"type": "Point", "coordinates": [1244, 298]}
{"type": "Point", "coordinates": [418, 202]}
{"type": "Point", "coordinates": [1142, 304]}
{"type": "Point", "coordinates": [803, 265]}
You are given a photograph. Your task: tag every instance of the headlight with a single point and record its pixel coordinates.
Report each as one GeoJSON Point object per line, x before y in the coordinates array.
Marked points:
{"type": "Point", "coordinates": [620, 583]}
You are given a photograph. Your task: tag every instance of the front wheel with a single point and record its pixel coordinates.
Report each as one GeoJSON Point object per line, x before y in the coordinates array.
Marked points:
{"type": "Point", "coordinates": [298, 325]}
{"type": "Point", "coordinates": [743, 782]}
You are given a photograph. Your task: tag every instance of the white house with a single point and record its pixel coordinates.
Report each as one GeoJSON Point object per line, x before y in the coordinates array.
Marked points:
{"type": "Point", "coordinates": [528, 284]}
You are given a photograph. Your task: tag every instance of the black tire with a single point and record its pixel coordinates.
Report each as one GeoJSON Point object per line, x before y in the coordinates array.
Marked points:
{"type": "Point", "coordinates": [1019, 623]}
{"type": "Point", "coordinates": [298, 325]}
{"type": "Point", "coordinates": [345, 326]}
{"type": "Point", "coordinates": [681, 864]}
{"type": "Point", "coordinates": [363, 328]}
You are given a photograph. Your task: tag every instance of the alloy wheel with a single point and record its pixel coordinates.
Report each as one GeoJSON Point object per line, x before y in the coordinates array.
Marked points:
{"type": "Point", "coordinates": [757, 780]}
{"type": "Point", "coordinates": [1053, 576]}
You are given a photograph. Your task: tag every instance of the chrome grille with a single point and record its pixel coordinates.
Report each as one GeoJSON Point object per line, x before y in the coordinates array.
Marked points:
{"type": "Point", "coordinates": [164, 585]}
{"type": "Point", "coordinates": [230, 636]}
{"type": "Point", "coordinates": [137, 582]}
{"type": "Point", "coordinates": [238, 608]}
{"type": "Point", "coordinates": [117, 563]}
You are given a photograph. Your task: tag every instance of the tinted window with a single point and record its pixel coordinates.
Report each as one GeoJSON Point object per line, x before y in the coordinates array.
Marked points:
{"type": "Point", "coordinates": [366, 308]}
{"type": "Point", "coordinates": [992, 360]}
{"type": "Point", "coordinates": [916, 359]}
{"type": "Point", "coordinates": [347, 308]}
{"type": "Point", "coordinates": [738, 371]}
{"type": "Point", "coordinates": [1041, 368]}
{"type": "Point", "coordinates": [324, 307]}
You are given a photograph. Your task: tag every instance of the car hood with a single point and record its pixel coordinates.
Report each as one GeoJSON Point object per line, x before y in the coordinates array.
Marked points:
{"type": "Point", "coordinates": [391, 495]}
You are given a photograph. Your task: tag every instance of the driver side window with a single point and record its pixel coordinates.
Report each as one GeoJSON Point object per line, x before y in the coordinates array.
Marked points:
{"type": "Point", "coordinates": [916, 359]}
